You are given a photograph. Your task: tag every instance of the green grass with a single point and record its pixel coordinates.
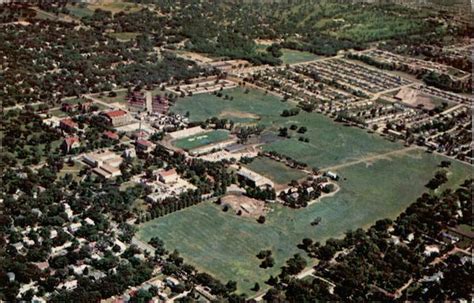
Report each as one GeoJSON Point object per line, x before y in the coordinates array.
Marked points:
{"type": "Point", "coordinates": [73, 101]}
{"type": "Point", "coordinates": [120, 98]}
{"type": "Point", "coordinates": [73, 170]}
{"type": "Point", "coordinates": [253, 107]}
{"type": "Point", "coordinates": [225, 245]}
{"type": "Point", "coordinates": [293, 56]}
{"type": "Point", "coordinates": [116, 6]}
{"type": "Point", "coordinates": [290, 56]}
{"type": "Point", "coordinates": [79, 12]}
{"type": "Point", "coordinates": [329, 143]}
{"type": "Point", "coordinates": [201, 139]}
{"type": "Point", "coordinates": [275, 171]}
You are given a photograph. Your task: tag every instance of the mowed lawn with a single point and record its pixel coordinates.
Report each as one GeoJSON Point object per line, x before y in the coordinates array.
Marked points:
{"type": "Point", "coordinates": [225, 245]}
{"type": "Point", "coordinates": [119, 98]}
{"type": "Point", "coordinates": [329, 143]}
{"type": "Point", "coordinates": [252, 107]}
{"type": "Point", "coordinates": [291, 56]}
{"type": "Point", "coordinates": [201, 139]}
{"type": "Point", "coordinates": [275, 171]}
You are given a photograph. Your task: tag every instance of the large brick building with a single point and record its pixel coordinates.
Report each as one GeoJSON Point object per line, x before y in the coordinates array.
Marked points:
{"type": "Point", "coordinates": [117, 117]}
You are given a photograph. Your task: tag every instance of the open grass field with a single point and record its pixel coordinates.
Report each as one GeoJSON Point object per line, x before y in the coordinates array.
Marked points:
{"type": "Point", "coordinates": [253, 107]}
{"type": "Point", "coordinates": [201, 139]}
{"type": "Point", "coordinates": [79, 11]}
{"type": "Point", "coordinates": [275, 171]}
{"type": "Point", "coordinates": [225, 245]}
{"type": "Point", "coordinates": [329, 143]}
{"type": "Point", "coordinates": [120, 98]}
{"type": "Point", "coordinates": [290, 56]}
{"type": "Point", "coordinates": [293, 56]}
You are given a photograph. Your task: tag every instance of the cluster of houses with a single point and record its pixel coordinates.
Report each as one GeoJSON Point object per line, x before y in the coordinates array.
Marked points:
{"type": "Point", "coordinates": [199, 86]}
{"type": "Point", "coordinates": [410, 64]}
{"type": "Point", "coordinates": [83, 267]}
{"type": "Point", "coordinates": [355, 75]}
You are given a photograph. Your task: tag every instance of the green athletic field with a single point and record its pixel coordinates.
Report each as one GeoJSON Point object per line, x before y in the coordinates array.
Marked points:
{"type": "Point", "coordinates": [201, 139]}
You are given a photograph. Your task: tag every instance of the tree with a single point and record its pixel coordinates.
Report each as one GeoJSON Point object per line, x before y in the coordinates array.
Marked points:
{"type": "Point", "coordinates": [302, 130]}
{"type": "Point", "coordinates": [261, 219]}
{"type": "Point", "coordinates": [256, 287]}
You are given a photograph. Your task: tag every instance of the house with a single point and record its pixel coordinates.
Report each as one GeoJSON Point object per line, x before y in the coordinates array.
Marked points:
{"type": "Point", "coordinates": [172, 282]}
{"type": "Point", "coordinates": [431, 250]}
{"type": "Point", "coordinates": [69, 285]}
{"type": "Point", "coordinates": [110, 135]}
{"type": "Point", "coordinates": [144, 146]}
{"type": "Point", "coordinates": [70, 143]}
{"type": "Point", "coordinates": [75, 227]}
{"type": "Point", "coordinates": [89, 221]}
{"type": "Point", "coordinates": [117, 117]}
{"type": "Point", "coordinates": [68, 125]}
{"type": "Point", "coordinates": [168, 176]}
{"type": "Point", "coordinates": [140, 134]}
{"type": "Point", "coordinates": [332, 175]}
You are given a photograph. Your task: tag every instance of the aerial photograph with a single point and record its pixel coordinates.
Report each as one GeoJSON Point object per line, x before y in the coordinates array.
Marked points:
{"type": "Point", "coordinates": [236, 151]}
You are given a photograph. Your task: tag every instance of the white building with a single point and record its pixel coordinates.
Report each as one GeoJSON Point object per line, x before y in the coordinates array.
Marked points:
{"type": "Point", "coordinates": [254, 179]}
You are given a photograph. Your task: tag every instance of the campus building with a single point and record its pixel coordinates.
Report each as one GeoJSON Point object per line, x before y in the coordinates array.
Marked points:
{"type": "Point", "coordinates": [254, 179]}
{"type": "Point", "coordinates": [68, 125]}
{"type": "Point", "coordinates": [117, 117]}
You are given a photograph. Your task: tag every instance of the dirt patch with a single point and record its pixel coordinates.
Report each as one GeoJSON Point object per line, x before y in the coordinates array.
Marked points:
{"type": "Point", "coordinates": [238, 114]}
{"type": "Point", "coordinates": [415, 98]}
{"type": "Point", "coordinates": [248, 207]}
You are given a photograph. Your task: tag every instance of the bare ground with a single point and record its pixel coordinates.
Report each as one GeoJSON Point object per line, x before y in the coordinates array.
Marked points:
{"type": "Point", "coordinates": [249, 207]}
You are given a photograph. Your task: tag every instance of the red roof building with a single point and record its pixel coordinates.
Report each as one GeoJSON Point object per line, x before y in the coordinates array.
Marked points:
{"type": "Point", "coordinates": [160, 105]}
{"type": "Point", "coordinates": [71, 143]}
{"type": "Point", "coordinates": [117, 117]}
{"type": "Point", "coordinates": [68, 125]}
{"type": "Point", "coordinates": [66, 107]}
{"type": "Point", "coordinates": [144, 145]}
{"type": "Point", "coordinates": [111, 135]}
{"type": "Point", "coordinates": [137, 100]}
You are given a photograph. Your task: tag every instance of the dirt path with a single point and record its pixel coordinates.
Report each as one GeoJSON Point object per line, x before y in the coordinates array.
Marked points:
{"type": "Point", "coordinates": [338, 188]}
{"type": "Point", "coordinates": [370, 158]}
